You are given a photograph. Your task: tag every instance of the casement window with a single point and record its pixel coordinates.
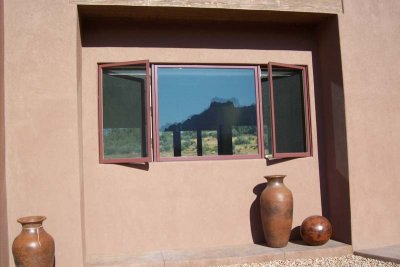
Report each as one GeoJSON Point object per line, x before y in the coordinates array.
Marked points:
{"type": "Point", "coordinates": [286, 115]}
{"type": "Point", "coordinates": [202, 112]}
{"type": "Point", "coordinates": [124, 112]}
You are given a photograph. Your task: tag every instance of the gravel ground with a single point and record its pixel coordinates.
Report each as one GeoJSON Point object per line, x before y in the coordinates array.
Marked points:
{"type": "Point", "coordinates": [345, 261]}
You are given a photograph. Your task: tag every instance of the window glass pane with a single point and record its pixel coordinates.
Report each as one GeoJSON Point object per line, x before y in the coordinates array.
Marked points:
{"type": "Point", "coordinates": [188, 143]}
{"type": "Point", "coordinates": [209, 143]}
{"type": "Point", "coordinates": [244, 140]}
{"type": "Point", "coordinates": [209, 111]}
{"type": "Point", "coordinates": [124, 112]}
{"type": "Point", "coordinates": [290, 132]}
{"type": "Point", "coordinates": [166, 144]}
{"type": "Point", "coordinates": [266, 111]}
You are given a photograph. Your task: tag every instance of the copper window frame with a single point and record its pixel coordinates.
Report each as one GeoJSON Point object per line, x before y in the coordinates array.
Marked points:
{"type": "Point", "coordinates": [101, 66]}
{"type": "Point", "coordinates": [307, 119]}
{"type": "Point", "coordinates": [156, 148]}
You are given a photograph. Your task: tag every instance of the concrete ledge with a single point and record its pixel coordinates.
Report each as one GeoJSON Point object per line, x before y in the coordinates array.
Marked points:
{"type": "Point", "coordinates": [391, 253]}
{"type": "Point", "coordinates": [250, 253]}
{"type": "Point", "coordinates": [318, 6]}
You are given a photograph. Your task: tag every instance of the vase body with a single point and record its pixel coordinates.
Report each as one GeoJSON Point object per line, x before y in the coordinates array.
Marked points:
{"type": "Point", "coordinates": [276, 207]}
{"type": "Point", "coordinates": [33, 247]}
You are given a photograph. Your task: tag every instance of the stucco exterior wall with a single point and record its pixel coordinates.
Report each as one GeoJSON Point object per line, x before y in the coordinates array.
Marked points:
{"type": "Point", "coordinates": [49, 145]}
{"type": "Point", "coordinates": [332, 131]}
{"type": "Point", "coordinates": [3, 193]}
{"type": "Point", "coordinates": [183, 205]}
{"type": "Point", "coordinates": [41, 121]}
{"type": "Point", "coordinates": [370, 37]}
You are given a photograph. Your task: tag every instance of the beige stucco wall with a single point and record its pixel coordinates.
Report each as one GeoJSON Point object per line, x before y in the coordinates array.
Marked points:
{"type": "Point", "coordinates": [51, 158]}
{"type": "Point", "coordinates": [332, 131]}
{"type": "Point", "coordinates": [180, 205]}
{"type": "Point", "coordinates": [42, 122]}
{"type": "Point", "coordinates": [370, 37]}
{"type": "Point", "coordinates": [3, 197]}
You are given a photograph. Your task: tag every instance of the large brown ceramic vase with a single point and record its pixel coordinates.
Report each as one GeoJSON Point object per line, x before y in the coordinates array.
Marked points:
{"type": "Point", "coordinates": [276, 205]}
{"type": "Point", "coordinates": [33, 247]}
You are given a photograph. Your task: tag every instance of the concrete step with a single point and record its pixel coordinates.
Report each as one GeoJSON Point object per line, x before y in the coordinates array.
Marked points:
{"type": "Point", "coordinates": [250, 253]}
{"type": "Point", "coordinates": [390, 253]}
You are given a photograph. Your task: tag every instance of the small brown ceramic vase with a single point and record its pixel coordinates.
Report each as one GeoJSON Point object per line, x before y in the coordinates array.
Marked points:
{"type": "Point", "coordinates": [276, 205]}
{"type": "Point", "coordinates": [316, 230]}
{"type": "Point", "coordinates": [33, 247]}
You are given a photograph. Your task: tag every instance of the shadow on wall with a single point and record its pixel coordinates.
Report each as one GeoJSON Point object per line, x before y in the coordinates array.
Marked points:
{"type": "Point", "coordinates": [332, 136]}
{"type": "Point", "coordinates": [100, 29]}
{"type": "Point", "coordinates": [255, 216]}
{"type": "Point", "coordinates": [140, 166]}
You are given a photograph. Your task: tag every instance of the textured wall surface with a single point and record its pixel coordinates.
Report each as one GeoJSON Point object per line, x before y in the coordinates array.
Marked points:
{"type": "Point", "coordinates": [41, 121]}
{"type": "Point", "coordinates": [49, 146]}
{"type": "Point", "coordinates": [3, 194]}
{"type": "Point", "coordinates": [332, 131]}
{"type": "Point", "coordinates": [186, 205]}
{"type": "Point", "coordinates": [370, 37]}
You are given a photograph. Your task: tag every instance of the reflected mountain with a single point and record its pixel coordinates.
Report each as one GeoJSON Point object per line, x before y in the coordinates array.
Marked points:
{"type": "Point", "coordinates": [235, 130]}
{"type": "Point", "coordinates": [218, 114]}
{"type": "Point", "coordinates": [234, 100]}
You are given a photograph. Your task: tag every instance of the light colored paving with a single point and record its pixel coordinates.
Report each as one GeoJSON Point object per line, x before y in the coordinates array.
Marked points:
{"type": "Point", "coordinates": [391, 253]}
{"type": "Point", "coordinates": [250, 253]}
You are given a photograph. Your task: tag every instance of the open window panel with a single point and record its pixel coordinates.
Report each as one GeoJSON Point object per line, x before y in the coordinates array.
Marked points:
{"type": "Point", "coordinates": [124, 112]}
{"type": "Point", "coordinates": [289, 118]}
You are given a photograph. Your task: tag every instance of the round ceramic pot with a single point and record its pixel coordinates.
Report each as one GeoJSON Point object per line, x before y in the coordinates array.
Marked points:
{"type": "Point", "coordinates": [276, 206]}
{"type": "Point", "coordinates": [33, 247]}
{"type": "Point", "coordinates": [316, 230]}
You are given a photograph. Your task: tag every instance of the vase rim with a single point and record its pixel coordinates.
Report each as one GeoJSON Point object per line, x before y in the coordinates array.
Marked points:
{"type": "Point", "coordinates": [275, 176]}
{"type": "Point", "coordinates": [31, 219]}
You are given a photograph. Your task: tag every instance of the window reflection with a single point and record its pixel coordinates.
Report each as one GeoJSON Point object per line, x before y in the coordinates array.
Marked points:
{"type": "Point", "coordinates": [207, 111]}
{"type": "Point", "coordinates": [166, 144]}
{"type": "Point", "coordinates": [244, 140]}
{"type": "Point", "coordinates": [209, 142]}
{"type": "Point", "coordinates": [188, 143]}
{"type": "Point", "coordinates": [266, 111]}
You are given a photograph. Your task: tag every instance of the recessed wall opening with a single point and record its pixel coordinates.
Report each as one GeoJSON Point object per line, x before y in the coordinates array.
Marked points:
{"type": "Point", "coordinates": [217, 37]}
{"type": "Point", "coordinates": [106, 26]}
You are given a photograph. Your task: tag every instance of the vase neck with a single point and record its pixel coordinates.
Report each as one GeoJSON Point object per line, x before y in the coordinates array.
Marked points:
{"type": "Point", "coordinates": [33, 229]}
{"type": "Point", "coordinates": [32, 225]}
{"type": "Point", "coordinates": [275, 179]}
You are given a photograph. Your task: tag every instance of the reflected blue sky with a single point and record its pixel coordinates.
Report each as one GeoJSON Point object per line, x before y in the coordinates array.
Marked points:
{"type": "Point", "coordinates": [184, 92]}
